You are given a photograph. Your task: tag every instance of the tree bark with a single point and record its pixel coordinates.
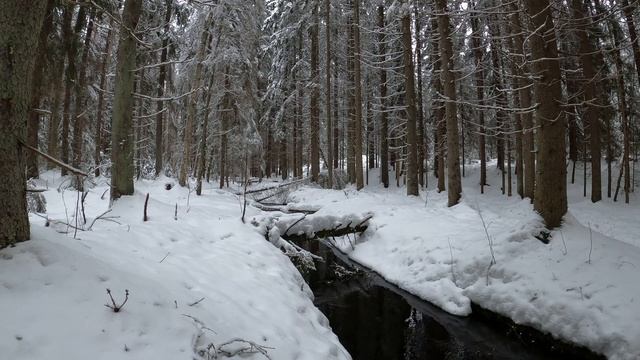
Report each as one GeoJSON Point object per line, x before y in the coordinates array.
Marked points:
{"type": "Point", "coordinates": [479, 79]}
{"type": "Point", "coordinates": [104, 66]}
{"type": "Point", "coordinates": [622, 110]}
{"type": "Point", "coordinates": [358, 96]}
{"type": "Point", "coordinates": [33, 125]}
{"type": "Point", "coordinates": [551, 187]}
{"type": "Point", "coordinates": [203, 139]}
{"type": "Point", "coordinates": [384, 122]}
{"type": "Point", "coordinates": [162, 76]}
{"type": "Point", "coordinates": [448, 78]}
{"type": "Point", "coordinates": [633, 34]}
{"type": "Point", "coordinates": [412, 155]}
{"type": "Point", "coordinates": [421, 138]}
{"type": "Point", "coordinates": [591, 113]}
{"type": "Point", "coordinates": [122, 169]}
{"type": "Point", "coordinates": [56, 93]}
{"type": "Point", "coordinates": [315, 94]}
{"type": "Point", "coordinates": [80, 112]}
{"type": "Point", "coordinates": [329, 124]}
{"type": "Point", "coordinates": [439, 116]}
{"type": "Point", "coordinates": [526, 118]}
{"type": "Point", "coordinates": [193, 104]}
{"type": "Point", "coordinates": [224, 124]}
{"type": "Point", "coordinates": [69, 79]}
{"type": "Point", "coordinates": [20, 24]}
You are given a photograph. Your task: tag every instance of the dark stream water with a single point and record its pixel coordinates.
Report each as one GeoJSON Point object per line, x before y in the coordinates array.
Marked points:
{"type": "Point", "coordinates": [375, 320]}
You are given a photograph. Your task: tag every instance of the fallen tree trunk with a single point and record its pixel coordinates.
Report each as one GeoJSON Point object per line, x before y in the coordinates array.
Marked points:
{"type": "Point", "coordinates": [339, 230]}
{"type": "Point", "coordinates": [283, 209]}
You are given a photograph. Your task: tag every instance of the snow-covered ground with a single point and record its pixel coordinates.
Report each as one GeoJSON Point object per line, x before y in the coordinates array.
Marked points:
{"type": "Point", "coordinates": [202, 279]}
{"type": "Point", "coordinates": [582, 286]}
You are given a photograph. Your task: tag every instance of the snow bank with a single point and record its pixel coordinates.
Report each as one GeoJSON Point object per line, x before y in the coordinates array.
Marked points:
{"type": "Point", "coordinates": [205, 278]}
{"type": "Point", "coordinates": [443, 255]}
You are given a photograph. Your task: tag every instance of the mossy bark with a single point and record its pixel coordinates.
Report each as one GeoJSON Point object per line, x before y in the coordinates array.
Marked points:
{"type": "Point", "coordinates": [20, 24]}
{"type": "Point", "coordinates": [122, 169]}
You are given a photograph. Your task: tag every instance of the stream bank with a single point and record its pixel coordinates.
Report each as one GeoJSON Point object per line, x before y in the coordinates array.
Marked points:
{"type": "Point", "coordinates": [376, 320]}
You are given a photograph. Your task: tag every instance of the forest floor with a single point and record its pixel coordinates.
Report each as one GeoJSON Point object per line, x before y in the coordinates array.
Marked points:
{"type": "Point", "coordinates": [201, 279]}
{"type": "Point", "coordinates": [582, 286]}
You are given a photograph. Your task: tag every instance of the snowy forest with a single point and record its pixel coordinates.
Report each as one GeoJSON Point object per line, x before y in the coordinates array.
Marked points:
{"type": "Point", "coordinates": [319, 179]}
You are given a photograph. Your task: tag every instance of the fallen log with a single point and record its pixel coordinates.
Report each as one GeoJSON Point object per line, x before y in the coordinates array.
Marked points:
{"type": "Point", "coordinates": [283, 209]}
{"type": "Point", "coordinates": [338, 231]}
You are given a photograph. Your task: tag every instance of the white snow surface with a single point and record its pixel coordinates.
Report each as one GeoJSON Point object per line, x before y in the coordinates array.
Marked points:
{"type": "Point", "coordinates": [442, 255]}
{"type": "Point", "coordinates": [53, 287]}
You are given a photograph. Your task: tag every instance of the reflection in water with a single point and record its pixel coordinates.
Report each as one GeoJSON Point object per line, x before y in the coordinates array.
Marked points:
{"type": "Point", "coordinates": [374, 322]}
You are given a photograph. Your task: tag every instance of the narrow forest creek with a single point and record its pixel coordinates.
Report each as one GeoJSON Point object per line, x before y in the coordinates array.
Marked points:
{"type": "Point", "coordinates": [376, 320]}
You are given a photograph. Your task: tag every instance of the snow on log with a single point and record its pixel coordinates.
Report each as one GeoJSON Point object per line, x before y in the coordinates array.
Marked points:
{"type": "Point", "coordinates": [321, 226]}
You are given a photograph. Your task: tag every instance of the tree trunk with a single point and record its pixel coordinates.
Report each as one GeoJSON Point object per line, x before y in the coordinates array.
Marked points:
{"type": "Point", "coordinates": [80, 112]}
{"type": "Point", "coordinates": [329, 124]}
{"type": "Point", "coordinates": [421, 142]}
{"type": "Point", "coordinates": [448, 78]}
{"type": "Point", "coordinates": [622, 110]}
{"type": "Point", "coordinates": [633, 35]}
{"type": "Point", "coordinates": [384, 122]}
{"type": "Point", "coordinates": [33, 125]}
{"type": "Point", "coordinates": [551, 187]}
{"type": "Point", "coordinates": [526, 118]}
{"type": "Point", "coordinates": [501, 102]}
{"type": "Point", "coordinates": [349, 141]}
{"type": "Point", "coordinates": [358, 96]}
{"type": "Point", "coordinates": [162, 76]}
{"type": "Point", "coordinates": [203, 139]}
{"type": "Point", "coordinates": [69, 80]}
{"type": "Point", "coordinates": [20, 24]}
{"type": "Point", "coordinates": [591, 113]}
{"type": "Point", "coordinates": [122, 118]}
{"type": "Point", "coordinates": [517, 117]}
{"type": "Point", "coordinates": [224, 124]}
{"type": "Point", "coordinates": [104, 67]}
{"type": "Point", "coordinates": [193, 104]}
{"type": "Point", "coordinates": [439, 111]}
{"type": "Point", "coordinates": [54, 122]}
{"type": "Point", "coordinates": [479, 79]}
{"type": "Point", "coordinates": [315, 94]}
{"type": "Point", "coordinates": [412, 164]}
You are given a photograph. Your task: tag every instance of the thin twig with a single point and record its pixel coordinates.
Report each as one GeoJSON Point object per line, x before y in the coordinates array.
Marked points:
{"type": "Point", "coordinates": [160, 262]}
{"type": "Point", "coordinates": [196, 302]}
{"type": "Point", "coordinates": [98, 217]}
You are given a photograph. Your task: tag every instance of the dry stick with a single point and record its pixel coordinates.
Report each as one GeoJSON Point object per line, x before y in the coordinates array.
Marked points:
{"type": "Point", "coordinates": [164, 257]}
{"type": "Point", "coordinates": [75, 231]}
{"type": "Point", "coordinates": [36, 190]}
{"type": "Point", "coordinates": [84, 216]}
{"type": "Point", "coordinates": [590, 243]}
{"type": "Point", "coordinates": [275, 187]}
{"type": "Point", "coordinates": [175, 215]}
{"type": "Point", "coordinates": [294, 224]}
{"type": "Point", "coordinates": [98, 217]}
{"type": "Point", "coordinates": [146, 201]}
{"type": "Point", "coordinates": [369, 217]}
{"type": "Point", "coordinates": [61, 164]}
{"type": "Point", "coordinates": [486, 231]}
{"type": "Point", "coordinates": [563, 243]}
{"type": "Point", "coordinates": [196, 302]}
{"type": "Point", "coordinates": [244, 203]}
